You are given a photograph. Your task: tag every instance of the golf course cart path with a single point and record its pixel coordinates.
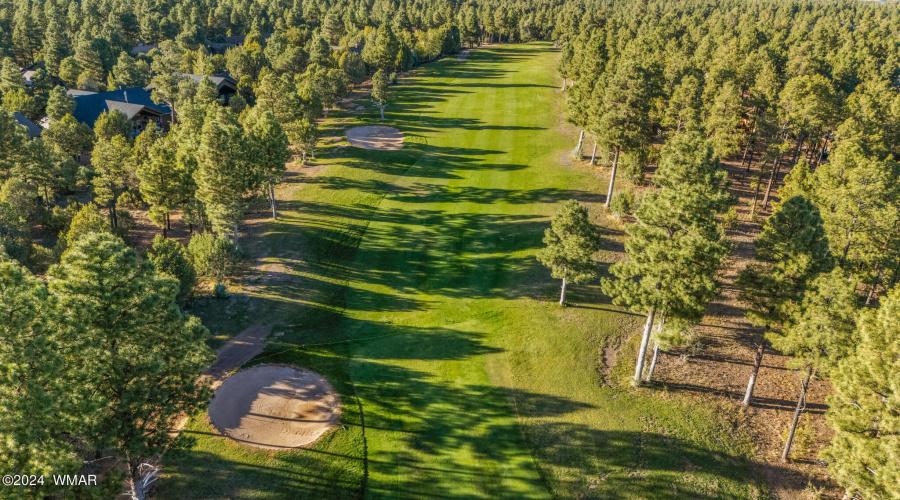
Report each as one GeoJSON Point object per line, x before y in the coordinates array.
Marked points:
{"type": "Point", "coordinates": [236, 352]}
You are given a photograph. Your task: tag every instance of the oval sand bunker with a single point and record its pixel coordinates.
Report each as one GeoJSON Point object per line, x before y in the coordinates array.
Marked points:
{"type": "Point", "coordinates": [274, 407]}
{"type": "Point", "coordinates": [377, 137]}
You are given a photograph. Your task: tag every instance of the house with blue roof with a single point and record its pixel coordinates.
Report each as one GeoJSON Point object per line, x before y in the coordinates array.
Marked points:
{"type": "Point", "coordinates": [135, 103]}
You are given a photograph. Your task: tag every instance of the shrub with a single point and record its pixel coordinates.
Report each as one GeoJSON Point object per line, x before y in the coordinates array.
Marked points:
{"type": "Point", "coordinates": [623, 203]}
{"type": "Point", "coordinates": [577, 153]}
{"type": "Point", "coordinates": [170, 256]}
{"type": "Point", "coordinates": [730, 219]}
{"type": "Point", "coordinates": [131, 199]}
{"type": "Point", "coordinates": [212, 256]}
{"type": "Point", "coordinates": [220, 291]}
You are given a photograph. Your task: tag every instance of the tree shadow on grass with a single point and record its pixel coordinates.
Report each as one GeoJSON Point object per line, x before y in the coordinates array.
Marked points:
{"type": "Point", "coordinates": [417, 422]}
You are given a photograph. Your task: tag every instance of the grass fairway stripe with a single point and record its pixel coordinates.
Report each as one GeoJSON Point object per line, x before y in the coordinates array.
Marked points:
{"type": "Point", "coordinates": [473, 383]}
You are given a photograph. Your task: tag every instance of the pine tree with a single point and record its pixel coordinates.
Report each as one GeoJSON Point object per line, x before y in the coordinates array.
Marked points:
{"type": "Point", "coordinates": [11, 78]}
{"type": "Point", "coordinates": [224, 176]}
{"type": "Point", "coordinates": [864, 409]}
{"type": "Point", "coordinates": [126, 72]}
{"type": "Point", "coordinates": [56, 45]}
{"type": "Point", "coordinates": [113, 166]}
{"type": "Point", "coordinates": [134, 356]}
{"type": "Point", "coordinates": [164, 183]}
{"type": "Point", "coordinates": [89, 59]}
{"type": "Point", "coordinates": [820, 333]}
{"type": "Point", "coordinates": [676, 246]}
{"type": "Point", "coordinates": [571, 242]}
{"type": "Point", "coordinates": [624, 121]}
{"type": "Point", "coordinates": [35, 400]}
{"type": "Point", "coordinates": [111, 124]}
{"type": "Point", "coordinates": [792, 250]}
{"type": "Point", "coordinates": [268, 150]}
{"type": "Point", "coordinates": [380, 91]}
{"type": "Point", "coordinates": [723, 120]}
{"type": "Point", "coordinates": [859, 198]}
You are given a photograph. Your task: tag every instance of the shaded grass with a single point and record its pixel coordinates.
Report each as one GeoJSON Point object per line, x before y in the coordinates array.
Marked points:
{"type": "Point", "coordinates": [419, 297]}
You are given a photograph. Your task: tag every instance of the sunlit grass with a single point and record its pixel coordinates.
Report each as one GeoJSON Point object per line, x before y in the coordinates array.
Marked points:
{"type": "Point", "coordinates": [419, 297]}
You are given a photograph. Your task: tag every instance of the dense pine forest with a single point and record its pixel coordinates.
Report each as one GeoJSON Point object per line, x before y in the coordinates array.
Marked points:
{"type": "Point", "coordinates": [190, 112]}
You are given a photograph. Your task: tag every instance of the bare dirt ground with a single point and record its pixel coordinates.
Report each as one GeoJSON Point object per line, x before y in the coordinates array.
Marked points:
{"type": "Point", "coordinates": [274, 407]}
{"type": "Point", "coordinates": [377, 137]}
{"type": "Point", "coordinates": [720, 368]}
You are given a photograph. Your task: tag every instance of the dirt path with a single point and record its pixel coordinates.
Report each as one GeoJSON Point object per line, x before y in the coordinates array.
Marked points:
{"type": "Point", "coordinates": [236, 352]}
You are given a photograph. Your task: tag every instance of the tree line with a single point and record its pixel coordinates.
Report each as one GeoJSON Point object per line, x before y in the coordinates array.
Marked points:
{"type": "Point", "coordinates": [802, 99]}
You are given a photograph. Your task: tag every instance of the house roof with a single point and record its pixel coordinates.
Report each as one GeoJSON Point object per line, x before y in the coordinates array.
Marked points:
{"type": "Point", "coordinates": [75, 92]}
{"type": "Point", "coordinates": [129, 101]}
{"type": "Point", "coordinates": [142, 49]}
{"type": "Point", "coordinates": [219, 81]}
{"type": "Point", "coordinates": [33, 130]}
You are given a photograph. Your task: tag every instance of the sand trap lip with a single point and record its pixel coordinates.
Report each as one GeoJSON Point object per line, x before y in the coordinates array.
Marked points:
{"type": "Point", "coordinates": [274, 407]}
{"type": "Point", "coordinates": [377, 137]}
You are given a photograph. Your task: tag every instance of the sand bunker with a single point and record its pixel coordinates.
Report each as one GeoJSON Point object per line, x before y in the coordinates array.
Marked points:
{"type": "Point", "coordinates": [376, 137]}
{"type": "Point", "coordinates": [274, 407]}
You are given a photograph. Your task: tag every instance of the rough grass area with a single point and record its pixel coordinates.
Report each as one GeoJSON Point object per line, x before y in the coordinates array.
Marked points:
{"type": "Point", "coordinates": [417, 294]}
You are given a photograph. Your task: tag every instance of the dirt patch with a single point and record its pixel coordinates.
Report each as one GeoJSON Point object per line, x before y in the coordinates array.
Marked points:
{"type": "Point", "coordinates": [463, 55]}
{"type": "Point", "coordinates": [274, 407]}
{"type": "Point", "coordinates": [376, 137]}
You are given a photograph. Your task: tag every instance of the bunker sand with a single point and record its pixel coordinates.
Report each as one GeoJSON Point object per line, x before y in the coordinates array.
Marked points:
{"type": "Point", "coordinates": [376, 137]}
{"type": "Point", "coordinates": [274, 407]}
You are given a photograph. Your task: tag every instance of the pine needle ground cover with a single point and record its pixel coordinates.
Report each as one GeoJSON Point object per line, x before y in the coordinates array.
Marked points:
{"type": "Point", "coordinates": [419, 297]}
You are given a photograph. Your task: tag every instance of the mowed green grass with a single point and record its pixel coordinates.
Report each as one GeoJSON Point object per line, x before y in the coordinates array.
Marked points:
{"type": "Point", "coordinates": [419, 297]}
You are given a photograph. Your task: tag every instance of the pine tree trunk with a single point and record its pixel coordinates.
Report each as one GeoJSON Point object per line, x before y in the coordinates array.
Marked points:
{"type": "Point", "coordinates": [746, 150]}
{"type": "Point", "coordinates": [594, 154]}
{"type": "Point", "coordinates": [775, 169]}
{"type": "Point", "coordinates": [824, 147]}
{"type": "Point", "coordinates": [564, 85]}
{"type": "Point", "coordinates": [580, 141]}
{"type": "Point", "coordinates": [801, 405]}
{"type": "Point", "coordinates": [235, 234]}
{"type": "Point", "coordinates": [382, 113]}
{"type": "Point", "coordinates": [272, 196]}
{"type": "Point", "coordinates": [652, 368]}
{"type": "Point", "coordinates": [562, 295]}
{"type": "Point", "coordinates": [612, 177]}
{"type": "Point", "coordinates": [800, 140]}
{"type": "Point", "coordinates": [752, 383]}
{"type": "Point", "coordinates": [659, 327]}
{"type": "Point", "coordinates": [638, 370]}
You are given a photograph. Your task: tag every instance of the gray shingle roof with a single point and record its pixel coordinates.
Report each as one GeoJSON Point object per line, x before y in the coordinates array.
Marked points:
{"type": "Point", "coordinates": [33, 130]}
